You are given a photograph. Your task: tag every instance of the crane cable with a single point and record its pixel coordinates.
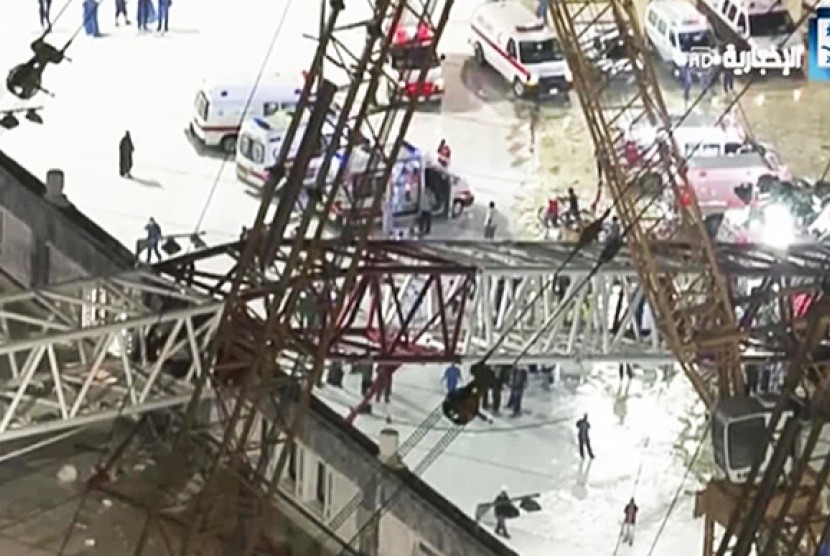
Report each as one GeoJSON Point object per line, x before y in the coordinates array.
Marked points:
{"type": "Point", "coordinates": [676, 498]}
{"type": "Point", "coordinates": [246, 108]}
{"type": "Point", "coordinates": [643, 454]}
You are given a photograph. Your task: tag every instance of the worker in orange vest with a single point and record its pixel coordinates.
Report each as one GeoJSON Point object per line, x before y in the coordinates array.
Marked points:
{"type": "Point", "coordinates": [444, 153]}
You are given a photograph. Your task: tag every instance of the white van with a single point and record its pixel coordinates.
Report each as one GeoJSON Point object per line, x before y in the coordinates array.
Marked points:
{"type": "Point", "coordinates": [260, 142]}
{"type": "Point", "coordinates": [508, 37]}
{"type": "Point", "coordinates": [675, 28]}
{"type": "Point", "coordinates": [219, 108]}
{"type": "Point", "coordinates": [754, 25]}
{"type": "Point", "coordinates": [696, 136]}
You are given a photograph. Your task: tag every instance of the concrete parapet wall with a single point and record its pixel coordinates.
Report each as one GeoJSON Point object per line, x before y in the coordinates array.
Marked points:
{"type": "Point", "coordinates": [44, 243]}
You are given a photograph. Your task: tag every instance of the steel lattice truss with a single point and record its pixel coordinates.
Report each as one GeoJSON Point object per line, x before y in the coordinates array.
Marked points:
{"type": "Point", "coordinates": [420, 302]}
{"type": "Point", "coordinates": [693, 311]}
{"type": "Point", "coordinates": [87, 351]}
{"type": "Point", "coordinates": [432, 298]}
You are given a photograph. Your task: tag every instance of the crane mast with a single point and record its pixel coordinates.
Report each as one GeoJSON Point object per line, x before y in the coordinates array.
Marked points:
{"type": "Point", "coordinates": [692, 305]}
{"type": "Point", "coordinates": [266, 357]}
{"type": "Point", "coordinates": [780, 509]}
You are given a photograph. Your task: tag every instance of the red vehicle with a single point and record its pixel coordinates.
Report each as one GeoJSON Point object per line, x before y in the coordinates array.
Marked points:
{"type": "Point", "coordinates": [411, 49]}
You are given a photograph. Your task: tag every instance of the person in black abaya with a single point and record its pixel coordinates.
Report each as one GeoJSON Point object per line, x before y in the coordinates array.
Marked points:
{"type": "Point", "coordinates": [125, 156]}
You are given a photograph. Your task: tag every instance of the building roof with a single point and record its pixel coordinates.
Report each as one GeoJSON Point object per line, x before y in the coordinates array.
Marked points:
{"type": "Point", "coordinates": [107, 246]}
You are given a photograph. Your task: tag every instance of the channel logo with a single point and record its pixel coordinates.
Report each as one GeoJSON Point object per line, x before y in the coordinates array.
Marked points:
{"type": "Point", "coordinates": [819, 46]}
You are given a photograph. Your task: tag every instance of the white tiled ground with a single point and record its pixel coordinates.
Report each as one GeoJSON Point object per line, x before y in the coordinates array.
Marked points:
{"type": "Point", "coordinates": [643, 434]}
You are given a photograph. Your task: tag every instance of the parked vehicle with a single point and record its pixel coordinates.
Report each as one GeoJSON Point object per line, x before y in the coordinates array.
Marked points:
{"type": "Point", "coordinates": [696, 136]}
{"type": "Point", "coordinates": [755, 25]}
{"type": "Point", "coordinates": [407, 63]}
{"type": "Point", "coordinates": [674, 29]}
{"type": "Point", "coordinates": [412, 47]}
{"type": "Point", "coordinates": [716, 180]}
{"type": "Point", "coordinates": [509, 38]}
{"type": "Point", "coordinates": [260, 142]}
{"type": "Point", "coordinates": [220, 108]}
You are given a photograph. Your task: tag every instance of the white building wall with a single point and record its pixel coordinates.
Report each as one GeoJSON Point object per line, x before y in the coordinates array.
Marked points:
{"type": "Point", "coordinates": [342, 492]}
{"type": "Point", "coordinates": [395, 538]}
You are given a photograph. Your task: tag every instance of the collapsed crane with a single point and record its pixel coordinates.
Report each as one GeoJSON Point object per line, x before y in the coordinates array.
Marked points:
{"type": "Point", "coordinates": [695, 311]}
{"type": "Point", "coordinates": [266, 357]}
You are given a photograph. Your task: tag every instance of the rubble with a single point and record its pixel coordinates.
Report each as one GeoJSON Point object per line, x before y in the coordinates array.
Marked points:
{"type": "Point", "coordinates": [68, 474]}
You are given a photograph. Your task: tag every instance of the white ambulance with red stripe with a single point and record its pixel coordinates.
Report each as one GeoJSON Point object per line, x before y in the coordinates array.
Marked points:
{"type": "Point", "coordinates": [221, 106]}
{"type": "Point", "coordinates": [508, 37]}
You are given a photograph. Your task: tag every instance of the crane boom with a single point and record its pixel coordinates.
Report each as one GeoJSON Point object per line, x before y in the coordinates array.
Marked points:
{"type": "Point", "coordinates": [692, 304]}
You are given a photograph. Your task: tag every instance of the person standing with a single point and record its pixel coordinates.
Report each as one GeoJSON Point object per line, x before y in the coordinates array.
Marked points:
{"type": "Point", "coordinates": [686, 81]}
{"type": "Point", "coordinates": [552, 214]}
{"type": "Point", "coordinates": [153, 239]}
{"type": "Point", "coordinates": [164, 15]}
{"type": "Point", "coordinates": [614, 230]}
{"type": "Point", "coordinates": [90, 9]}
{"type": "Point", "coordinates": [573, 205]}
{"type": "Point", "coordinates": [728, 82]}
{"type": "Point", "coordinates": [384, 376]}
{"type": "Point", "coordinates": [425, 216]}
{"type": "Point", "coordinates": [365, 371]}
{"type": "Point", "coordinates": [490, 222]}
{"type": "Point", "coordinates": [444, 153]}
{"type": "Point", "coordinates": [121, 10]}
{"type": "Point", "coordinates": [45, 17]}
{"type": "Point", "coordinates": [518, 381]}
{"type": "Point", "coordinates": [582, 427]}
{"type": "Point", "coordinates": [452, 376]}
{"type": "Point", "coordinates": [125, 156]}
{"type": "Point", "coordinates": [143, 14]}
{"type": "Point", "coordinates": [542, 7]}
{"type": "Point", "coordinates": [502, 507]}
{"type": "Point", "coordinates": [629, 520]}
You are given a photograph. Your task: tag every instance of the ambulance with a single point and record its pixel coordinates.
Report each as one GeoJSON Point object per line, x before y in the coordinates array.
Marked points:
{"type": "Point", "coordinates": [696, 136]}
{"type": "Point", "coordinates": [411, 50]}
{"type": "Point", "coordinates": [260, 142]}
{"type": "Point", "coordinates": [258, 147]}
{"type": "Point", "coordinates": [508, 37]}
{"type": "Point", "coordinates": [717, 180]}
{"type": "Point", "coordinates": [220, 107]}
{"type": "Point", "coordinates": [675, 28]}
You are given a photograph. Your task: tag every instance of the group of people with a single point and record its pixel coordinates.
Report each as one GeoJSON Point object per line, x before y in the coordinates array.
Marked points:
{"type": "Point", "coordinates": [707, 79]}
{"type": "Point", "coordinates": [147, 14]}
{"type": "Point", "coordinates": [514, 378]}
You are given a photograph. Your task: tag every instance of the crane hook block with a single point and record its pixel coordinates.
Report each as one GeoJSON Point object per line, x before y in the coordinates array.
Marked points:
{"type": "Point", "coordinates": [46, 53]}
{"type": "Point", "coordinates": [26, 80]}
{"type": "Point", "coordinates": [461, 406]}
